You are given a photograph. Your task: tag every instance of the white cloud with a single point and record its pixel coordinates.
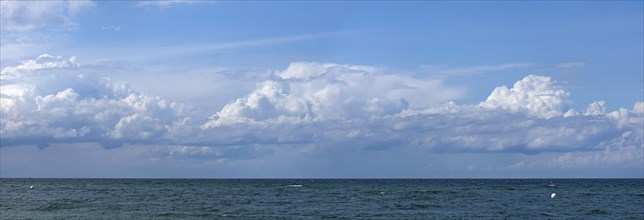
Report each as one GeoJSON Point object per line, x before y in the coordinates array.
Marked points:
{"type": "Point", "coordinates": [596, 108]}
{"type": "Point", "coordinates": [532, 112]}
{"type": "Point", "coordinates": [51, 99]}
{"type": "Point", "coordinates": [28, 15]}
{"type": "Point", "coordinates": [138, 126]}
{"type": "Point", "coordinates": [41, 62]}
{"type": "Point", "coordinates": [313, 110]}
{"type": "Point", "coordinates": [536, 95]}
{"type": "Point", "coordinates": [30, 27]}
{"type": "Point", "coordinates": [22, 24]}
{"type": "Point", "coordinates": [310, 70]}
{"type": "Point", "coordinates": [315, 91]}
{"type": "Point", "coordinates": [638, 108]}
{"type": "Point", "coordinates": [625, 151]}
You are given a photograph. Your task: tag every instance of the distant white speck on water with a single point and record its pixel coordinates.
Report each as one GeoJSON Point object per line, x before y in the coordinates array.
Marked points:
{"type": "Point", "coordinates": [31, 187]}
{"type": "Point", "coordinates": [553, 195]}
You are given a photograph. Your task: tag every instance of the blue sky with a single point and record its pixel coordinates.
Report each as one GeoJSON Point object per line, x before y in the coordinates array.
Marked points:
{"type": "Point", "coordinates": [322, 89]}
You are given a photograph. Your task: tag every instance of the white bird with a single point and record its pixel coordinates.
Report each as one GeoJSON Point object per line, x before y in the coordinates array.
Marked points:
{"type": "Point", "coordinates": [31, 187]}
{"type": "Point", "coordinates": [553, 195]}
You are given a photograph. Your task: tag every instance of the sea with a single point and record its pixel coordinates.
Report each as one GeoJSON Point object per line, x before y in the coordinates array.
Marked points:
{"type": "Point", "coordinates": [321, 198]}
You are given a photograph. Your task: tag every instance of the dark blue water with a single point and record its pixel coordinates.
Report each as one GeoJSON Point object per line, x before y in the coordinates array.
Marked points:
{"type": "Point", "coordinates": [321, 198]}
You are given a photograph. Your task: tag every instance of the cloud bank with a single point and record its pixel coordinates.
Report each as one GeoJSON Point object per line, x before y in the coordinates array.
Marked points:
{"type": "Point", "coordinates": [314, 110]}
{"type": "Point", "coordinates": [51, 100]}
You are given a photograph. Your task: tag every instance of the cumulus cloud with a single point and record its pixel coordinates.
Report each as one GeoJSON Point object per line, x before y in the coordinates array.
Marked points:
{"type": "Point", "coordinates": [316, 91]}
{"type": "Point", "coordinates": [314, 110]}
{"type": "Point", "coordinates": [531, 117]}
{"type": "Point", "coordinates": [28, 15]}
{"type": "Point", "coordinates": [536, 95]}
{"type": "Point", "coordinates": [596, 108]}
{"type": "Point", "coordinates": [52, 99]}
{"type": "Point", "coordinates": [638, 108]}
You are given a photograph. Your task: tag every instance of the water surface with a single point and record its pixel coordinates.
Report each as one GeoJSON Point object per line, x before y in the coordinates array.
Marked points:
{"type": "Point", "coordinates": [321, 198]}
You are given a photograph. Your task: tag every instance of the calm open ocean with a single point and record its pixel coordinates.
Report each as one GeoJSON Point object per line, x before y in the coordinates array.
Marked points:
{"type": "Point", "coordinates": [321, 198]}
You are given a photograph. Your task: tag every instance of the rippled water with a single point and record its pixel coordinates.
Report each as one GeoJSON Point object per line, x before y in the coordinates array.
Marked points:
{"type": "Point", "coordinates": [320, 198]}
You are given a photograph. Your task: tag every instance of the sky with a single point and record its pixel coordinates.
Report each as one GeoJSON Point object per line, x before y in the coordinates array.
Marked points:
{"type": "Point", "coordinates": [383, 89]}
